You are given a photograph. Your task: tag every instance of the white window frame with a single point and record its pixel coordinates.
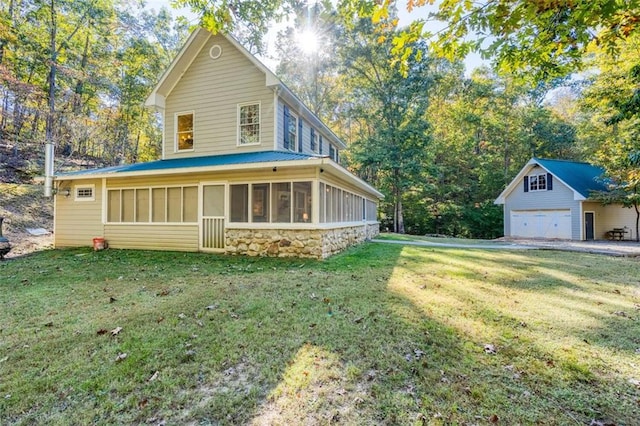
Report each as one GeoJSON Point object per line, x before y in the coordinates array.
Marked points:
{"type": "Point", "coordinates": [239, 125]}
{"type": "Point", "coordinates": [293, 117]}
{"type": "Point", "coordinates": [78, 188]}
{"type": "Point", "coordinates": [176, 146]}
{"type": "Point", "coordinates": [536, 177]}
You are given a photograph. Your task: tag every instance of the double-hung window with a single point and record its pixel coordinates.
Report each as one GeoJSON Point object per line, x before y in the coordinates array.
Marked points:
{"type": "Point", "coordinates": [538, 182]}
{"type": "Point", "coordinates": [249, 124]}
{"type": "Point", "coordinates": [184, 131]}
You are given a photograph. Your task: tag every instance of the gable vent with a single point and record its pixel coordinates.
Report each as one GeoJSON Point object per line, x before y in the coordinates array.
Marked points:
{"type": "Point", "coordinates": [215, 52]}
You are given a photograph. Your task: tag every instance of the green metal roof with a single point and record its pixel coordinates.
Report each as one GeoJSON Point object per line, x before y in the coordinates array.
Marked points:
{"type": "Point", "coordinates": [581, 177]}
{"type": "Point", "coordinates": [192, 162]}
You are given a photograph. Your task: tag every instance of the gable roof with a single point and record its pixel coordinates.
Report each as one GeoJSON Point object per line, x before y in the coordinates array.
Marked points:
{"type": "Point", "coordinates": [581, 178]}
{"type": "Point", "coordinates": [238, 161]}
{"type": "Point", "coordinates": [192, 47]}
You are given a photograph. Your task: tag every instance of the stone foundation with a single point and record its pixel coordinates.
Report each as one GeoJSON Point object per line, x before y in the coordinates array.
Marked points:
{"type": "Point", "coordinates": [309, 243]}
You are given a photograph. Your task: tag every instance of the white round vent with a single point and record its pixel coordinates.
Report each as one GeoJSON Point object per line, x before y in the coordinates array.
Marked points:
{"type": "Point", "coordinates": [215, 52]}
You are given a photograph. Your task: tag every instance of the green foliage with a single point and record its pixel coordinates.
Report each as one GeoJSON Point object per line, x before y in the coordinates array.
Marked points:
{"type": "Point", "coordinates": [105, 57]}
{"type": "Point", "coordinates": [611, 122]}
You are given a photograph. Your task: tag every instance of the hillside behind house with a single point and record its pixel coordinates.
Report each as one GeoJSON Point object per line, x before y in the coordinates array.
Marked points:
{"type": "Point", "coordinates": [24, 207]}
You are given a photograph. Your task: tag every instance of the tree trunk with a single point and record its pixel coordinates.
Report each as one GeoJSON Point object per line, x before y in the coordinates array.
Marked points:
{"type": "Point", "coordinates": [77, 100]}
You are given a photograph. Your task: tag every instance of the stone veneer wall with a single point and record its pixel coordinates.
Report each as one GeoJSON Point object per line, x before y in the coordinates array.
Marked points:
{"type": "Point", "coordinates": [313, 243]}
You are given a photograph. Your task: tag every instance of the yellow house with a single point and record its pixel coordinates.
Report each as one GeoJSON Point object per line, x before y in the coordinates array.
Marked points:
{"type": "Point", "coordinates": [246, 168]}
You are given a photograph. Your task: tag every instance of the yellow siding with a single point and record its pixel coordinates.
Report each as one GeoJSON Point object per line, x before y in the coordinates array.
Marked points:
{"type": "Point", "coordinates": [152, 237]}
{"type": "Point", "coordinates": [77, 222]}
{"type": "Point", "coordinates": [212, 89]}
{"type": "Point", "coordinates": [263, 175]}
{"type": "Point", "coordinates": [611, 216]}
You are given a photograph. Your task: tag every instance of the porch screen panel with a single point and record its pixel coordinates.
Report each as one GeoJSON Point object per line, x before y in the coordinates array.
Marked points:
{"type": "Point", "coordinates": [281, 202]}
{"type": "Point", "coordinates": [128, 205]}
{"type": "Point", "coordinates": [302, 201]}
{"type": "Point", "coordinates": [239, 203]}
{"type": "Point", "coordinates": [260, 202]}
{"type": "Point", "coordinates": [142, 205]}
{"type": "Point", "coordinates": [113, 213]}
{"type": "Point", "coordinates": [158, 205]}
{"type": "Point", "coordinates": [174, 204]}
{"type": "Point", "coordinates": [213, 200]}
{"type": "Point", "coordinates": [190, 204]}
{"type": "Point", "coordinates": [323, 195]}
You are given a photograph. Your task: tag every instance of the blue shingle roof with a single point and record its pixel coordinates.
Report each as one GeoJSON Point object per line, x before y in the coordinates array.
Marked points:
{"type": "Point", "coordinates": [191, 162]}
{"type": "Point", "coordinates": [581, 177]}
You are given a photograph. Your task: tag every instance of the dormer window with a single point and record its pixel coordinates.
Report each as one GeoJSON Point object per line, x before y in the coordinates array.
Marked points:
{"type": "Point", "coordinates": [184, 131]}
{"type": "Point", "coordinates": [249, 124]}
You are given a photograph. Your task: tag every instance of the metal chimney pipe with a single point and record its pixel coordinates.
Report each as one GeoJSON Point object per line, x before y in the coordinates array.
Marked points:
{"type": "Point", "coordinates": [48, 169]}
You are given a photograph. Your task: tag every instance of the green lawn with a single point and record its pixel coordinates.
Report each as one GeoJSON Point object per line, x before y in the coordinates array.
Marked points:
{"type": "Point", "coordinates": [382, 334]}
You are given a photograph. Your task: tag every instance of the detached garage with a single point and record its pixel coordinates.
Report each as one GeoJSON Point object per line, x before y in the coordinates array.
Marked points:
{"type": "Point", "coordinates": [551, 199]}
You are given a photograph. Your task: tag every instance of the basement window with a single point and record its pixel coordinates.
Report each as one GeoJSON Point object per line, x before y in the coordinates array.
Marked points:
{"type": "Point", "coordinates": [85, 193]}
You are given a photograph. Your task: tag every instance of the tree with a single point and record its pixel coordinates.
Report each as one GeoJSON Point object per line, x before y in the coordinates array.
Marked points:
{"type": "Point", "coordinates": [389, 147]}
{"type": "Point", "coordinates": [611, 125]}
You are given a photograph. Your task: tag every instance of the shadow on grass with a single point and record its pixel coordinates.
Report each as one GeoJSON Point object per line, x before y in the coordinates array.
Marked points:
{"type": "Point", "coordinates": [220, 340]}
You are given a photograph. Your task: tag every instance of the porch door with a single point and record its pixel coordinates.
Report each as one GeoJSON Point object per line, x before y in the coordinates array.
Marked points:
{"type": "Point", "coordinates": [212, 225]}
{"type": "Point", "coordinates": [588, 226]}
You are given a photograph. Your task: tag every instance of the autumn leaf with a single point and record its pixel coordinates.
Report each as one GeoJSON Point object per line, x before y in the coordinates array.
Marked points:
{"type": "Point", "coordinates": [116, 331]}
{"type": "Point", "coordinates": [102, 331]}
{"type": "Point", "coordinates": [153, 376]}
{"type": "Point", "coordinates": [121, 356]}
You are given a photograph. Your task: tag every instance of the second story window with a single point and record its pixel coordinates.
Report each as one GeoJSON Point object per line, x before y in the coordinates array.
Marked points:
{"type": "Point", "coordinates": [249, 124]}
{"type": "Point", "coordinates": [314, 140]}
{"type": "Point", "coordinates": [184, 131]}
{"type": "Point", "coordinates": [292, 131]}
{"type": "Point", "coordinates": [538, 183]}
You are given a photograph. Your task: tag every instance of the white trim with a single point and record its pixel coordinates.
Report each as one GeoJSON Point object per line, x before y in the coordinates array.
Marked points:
{"type": "Point", "coordinates": [238, 132]}
{"type": "Point", "coordinates": [537, 177]}
{"type": "Point", "coordinates": [176, 149]}
{"type": "Point", "coordinates": [217, 54]}
{"type": "Point", "coordinates": [584, 224]}
{"type": "Point", "coordinates": [323, 162]}
{"type": "Point", "coordinates": [78, 188]}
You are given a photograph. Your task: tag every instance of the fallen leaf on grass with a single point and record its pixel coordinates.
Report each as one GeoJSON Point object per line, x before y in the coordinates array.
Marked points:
{"type": "Point", "coordinates": [120, 357]}
{"type": "Point", "coordinates": [112, 299]}
{"type": "Point", "coordinates": [153, 377]}
{"type": "Point", "coordinates": [181, 315]}
{"type": "Point", "coordinates": [489, 349]}
{"type": "Point", "coordinates": [620, 313]}
{"type": "Point", "coordinates": [116, 331]}
{"type": "Point", "coordinates": [494, 419]}
{"type": "Point", "coordinates": [143, 403]}
{"type": "Point", "coordinates": [102, 331]}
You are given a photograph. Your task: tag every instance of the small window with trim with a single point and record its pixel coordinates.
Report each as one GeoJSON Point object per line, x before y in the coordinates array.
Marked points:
{"type": "Point", "coordinates": [249, 124]}
{"type": "Point", "coordinates": [538, 182]}
{"type": "Point", "coordinates": [184, 131]}
{"type": "Point", "coordinates": [85, 193]}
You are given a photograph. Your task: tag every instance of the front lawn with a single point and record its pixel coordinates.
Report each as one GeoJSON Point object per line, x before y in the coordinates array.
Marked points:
{"type": "Point", "coordinates": [382, 334]}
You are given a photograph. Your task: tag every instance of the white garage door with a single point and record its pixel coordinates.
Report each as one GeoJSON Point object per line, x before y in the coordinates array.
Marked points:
{"type": "Point", "coordinates": [541, 224]}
